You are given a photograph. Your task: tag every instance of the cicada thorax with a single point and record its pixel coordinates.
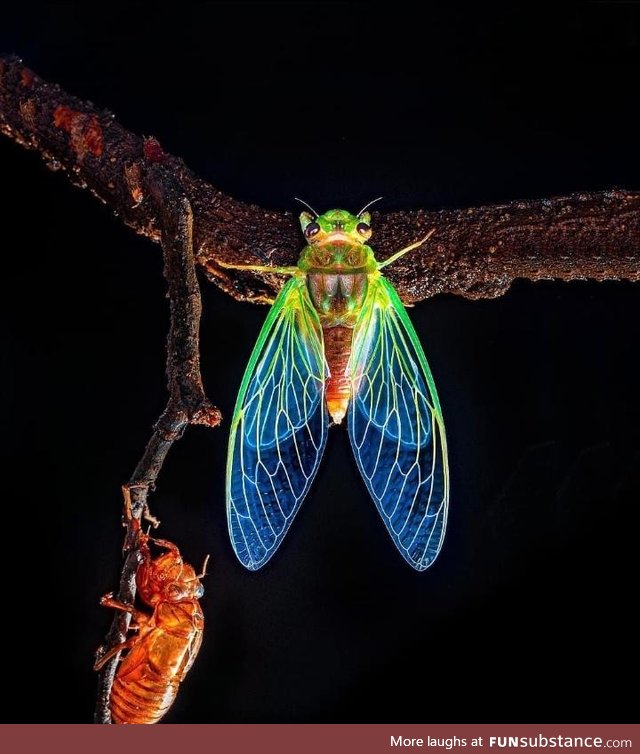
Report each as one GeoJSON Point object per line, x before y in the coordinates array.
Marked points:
{"type": "Point", "coordinates": [338, 281]}
{"type": "Point", "coordinates": [165, 578]}
{"type": "Point", "coordinates": [337, 297]}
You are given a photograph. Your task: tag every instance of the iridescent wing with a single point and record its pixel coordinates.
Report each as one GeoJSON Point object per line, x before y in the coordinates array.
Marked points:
{"type": "Point", "coordinates": [396, 426]}
{"type": "Point", "coordinates": [279, 427]}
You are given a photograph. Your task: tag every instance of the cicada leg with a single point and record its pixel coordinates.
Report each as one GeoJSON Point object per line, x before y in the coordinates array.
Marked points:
{"type": "Point", "coordinates": [259, 268]}
{"type": "Point", "coordinates": [128, 507]}
{"type": "Point", "coordinates": [139, 620]}
{"type": "Point", "coordinates": [406, 249]}
{"type": "Point", "coordinates": [99, 664]}
{"type": "Point", "coordinates": [165, 544]}
{"type": "Point", "coordinates": [172, 548]}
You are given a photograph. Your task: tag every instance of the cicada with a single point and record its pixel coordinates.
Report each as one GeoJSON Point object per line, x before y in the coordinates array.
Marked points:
{"type": "Point", "coordinates": [337, 343]}
{"type": "Point", "coordinates": [167, 641]}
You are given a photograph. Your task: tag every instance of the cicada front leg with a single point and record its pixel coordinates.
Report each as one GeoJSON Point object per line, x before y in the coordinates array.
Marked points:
{"type": "Point", "coordinates": [139, 620]}
{"type": "Point", "coordinates": [259, 268]}
{"type": "Point", "coordinates": [109, 600]}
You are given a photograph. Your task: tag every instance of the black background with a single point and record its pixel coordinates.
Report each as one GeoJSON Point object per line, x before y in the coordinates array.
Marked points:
{"type": "Point", "coordinates": [526, 615]}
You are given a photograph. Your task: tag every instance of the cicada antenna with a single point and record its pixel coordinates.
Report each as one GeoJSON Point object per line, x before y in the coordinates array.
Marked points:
{"type": "Point", "coordinates": [307, 205]}
{"type": "Point", "coordinates": [366, 206]}
{"type": "Point", "coordinates": [203, 570]}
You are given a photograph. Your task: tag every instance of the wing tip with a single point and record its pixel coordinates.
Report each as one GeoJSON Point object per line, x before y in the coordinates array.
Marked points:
{"type": "Point", "coordinates": [421, 565]}
{"type": "Point", "coordinates": [250, 563]}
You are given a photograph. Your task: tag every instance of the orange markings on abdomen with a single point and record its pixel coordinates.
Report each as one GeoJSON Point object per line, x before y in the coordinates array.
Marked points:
{"type": "Point", "coordinates": [337, 348]}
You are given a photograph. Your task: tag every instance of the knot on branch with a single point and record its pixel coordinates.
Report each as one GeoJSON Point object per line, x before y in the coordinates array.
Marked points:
{"type": "Point", "coordinates": [207, 415]}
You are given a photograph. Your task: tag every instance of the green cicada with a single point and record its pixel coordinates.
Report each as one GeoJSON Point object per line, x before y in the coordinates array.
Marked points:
{"type": "Point", "coordinates": [337, 342]}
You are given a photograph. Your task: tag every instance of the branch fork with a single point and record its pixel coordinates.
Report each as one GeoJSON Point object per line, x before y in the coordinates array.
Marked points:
{"type": "Point", "coordinates": [187, 404]}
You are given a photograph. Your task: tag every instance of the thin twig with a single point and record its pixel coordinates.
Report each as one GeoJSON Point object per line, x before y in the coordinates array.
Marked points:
{"type": "Point", "coordinates": [475, 252]}
{"type": "Point", "coordinates": [187, 402]}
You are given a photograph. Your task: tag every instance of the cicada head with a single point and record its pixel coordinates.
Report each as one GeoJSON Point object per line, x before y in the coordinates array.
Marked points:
{"type": "Point", "coordinates": [336, 242]}
{"type": "Point", "coordinates": [166, 578]}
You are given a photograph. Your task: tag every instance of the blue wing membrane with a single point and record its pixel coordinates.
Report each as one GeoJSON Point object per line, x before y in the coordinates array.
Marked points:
{"type": "Point", "coordinates": [279, 428]}
{"type": "Point", "coordinates": [396, 427]}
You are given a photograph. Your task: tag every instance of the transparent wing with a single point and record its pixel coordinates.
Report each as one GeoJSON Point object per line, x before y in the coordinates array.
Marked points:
{"type": "Point", "coordinates": [279, 427]}
{"type": "Point", "coordinates": [396, 426]}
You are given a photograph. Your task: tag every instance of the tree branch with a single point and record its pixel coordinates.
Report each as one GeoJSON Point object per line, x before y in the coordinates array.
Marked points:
{"type": "Point", "coordinates": [187, 401]}
{"type": "Point", "coordinates": [474, 252]}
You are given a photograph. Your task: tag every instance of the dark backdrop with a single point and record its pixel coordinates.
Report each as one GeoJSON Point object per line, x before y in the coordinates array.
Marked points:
{"type": "Point", "coordinates": [526, 615]}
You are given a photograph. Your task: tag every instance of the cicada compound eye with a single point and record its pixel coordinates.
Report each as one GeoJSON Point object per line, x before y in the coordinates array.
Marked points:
{"type": "Point", "coordinates": [312, 230]}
